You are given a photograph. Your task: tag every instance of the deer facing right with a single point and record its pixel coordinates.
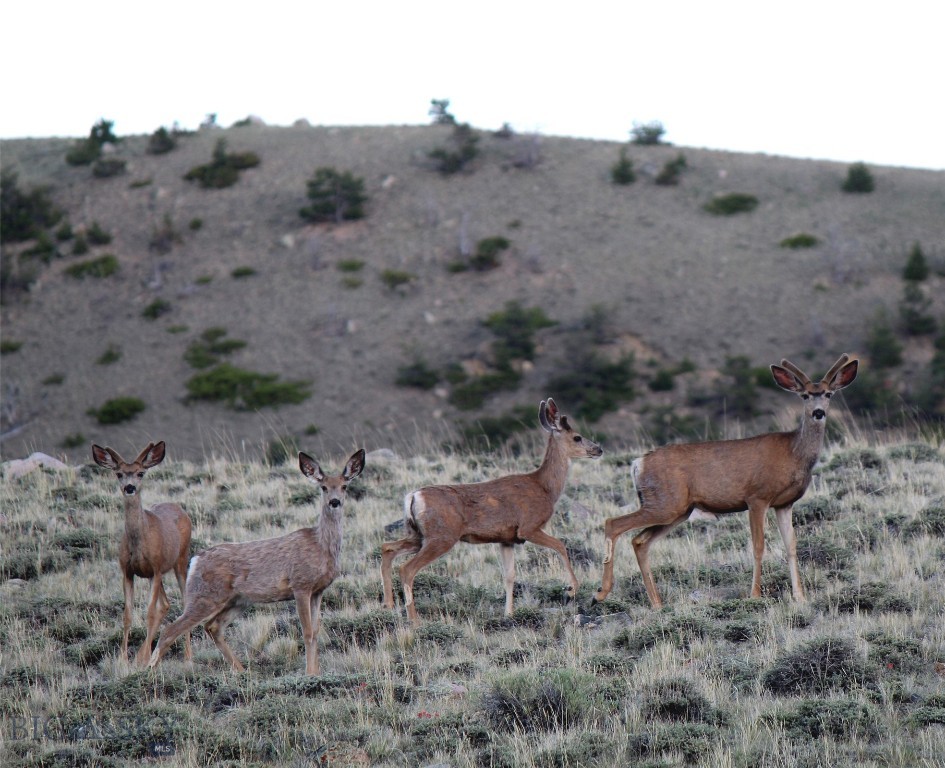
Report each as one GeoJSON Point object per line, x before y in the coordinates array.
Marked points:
{"type": "Point", "coordinates": [754, 473]}
{"type": "Point", "coordinates": [227, 578]}
{"type": "Point", "coordinates": [506, 511]}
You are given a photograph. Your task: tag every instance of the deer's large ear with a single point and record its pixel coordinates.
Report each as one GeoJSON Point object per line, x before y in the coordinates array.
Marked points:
{"type": "Point", "coordinates": [105, 457]}
{"type": "Point", "coordinates": [152, 455]}
{"type": "Point", "coordinates": [310, 467]}
{"type": "Point", "coordinates": [355, 465]}
{"type": "Point", "coordinates": [547, 415]}
{"type": "Point", "coordinates": [844, 377]}
{"type": "Point", "coordinates": [786, 380]}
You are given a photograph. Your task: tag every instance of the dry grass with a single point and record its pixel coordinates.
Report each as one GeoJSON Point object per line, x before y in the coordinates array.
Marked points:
{"type": "Point", "coordinates": [714, 679]}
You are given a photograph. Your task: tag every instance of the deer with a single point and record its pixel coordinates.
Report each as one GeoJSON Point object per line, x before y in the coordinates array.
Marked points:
{"type": "Point", "coordinates": [506, 511]}
{"type": "Point", "coordinates": [708, 479]}
{"type": "Point", "coordinates": [155, 541]}
{"type": "Point", "coordinates": [225, 579]}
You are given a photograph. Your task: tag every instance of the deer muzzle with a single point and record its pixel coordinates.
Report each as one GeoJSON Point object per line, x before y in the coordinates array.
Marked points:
{"type": "Point", "coordinates": [334, 503]}
{"type": "Point", "coordinates": [130, 490]}
{"type": "Point", "coordinates": [819, 413]}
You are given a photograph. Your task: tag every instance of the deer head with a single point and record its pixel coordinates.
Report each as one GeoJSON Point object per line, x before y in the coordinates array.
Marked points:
{"type": "Point", "coordinates": [334, 487]}
{"type": "Point", "coordinates": [129, 474]}
{"type": "Point", "coordinates": [575, 445]}
{"type": "Point", "coordinates": [816, 395]}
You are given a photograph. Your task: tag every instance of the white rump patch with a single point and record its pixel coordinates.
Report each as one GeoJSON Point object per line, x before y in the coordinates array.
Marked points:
{"type": "Point", "coordinates": [193, 564]}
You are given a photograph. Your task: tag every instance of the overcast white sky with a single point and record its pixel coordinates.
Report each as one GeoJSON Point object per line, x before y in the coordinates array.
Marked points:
{"type": "Point", "coordinates": [829, 79]}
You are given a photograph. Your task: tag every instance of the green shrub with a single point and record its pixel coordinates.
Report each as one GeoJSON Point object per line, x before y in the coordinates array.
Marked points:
{"type": "Point", "coordinates": [818, 667]}
{"type": "Point", "coordinates": [80, 246]}
{"type": "Point", "coordinates": [662, 381]}
{"type": "Point", "coordinates": [106, 167]}
{"type": "Point", "coordinates": [622, 172]}
{"type": "Point", "coordinates": [241, 272]}
{"type": "Point", "coordinates": [802, 240]}
{"type": "Point", "coordinates": [161, 141]}
{"type": "Point", "coordinates": [75, 440]}
{"type": "Point", "coordinates": [64, 232]}
{"type": "Point", "coordinates": [224, 169]}
{"type": "Point", "coordinates": [917, 268]}
{"type": "Point", "coordinates": [23, 215]}
{"type": "Point", "coordinates": [245, 390]}
{"type": "Point", "coordinates": [43, 249]}
{"type": "Point", "coordinates": [156, 309]}
{"type": "Point", "coordinates": [514, 328]}
{"type": "Point", "coordinates": [334, 196]}
{"type": "Point", "coordinates": [350, 265]}
{"type": "Point", "coordinates": [54, 379]}
{"type": "Point", "coordinates": [103, 266]}
{"type": "Point", "coordinates": [206, 351]}
{"type": "Point", "coordinates": [883, 347]}
{"type": "Point", "coordinates": [676, 699]}
{"type": "Point", "coordinates": [859, 179]}
{"type": "Point", "coordinates": [88, 150]}
{"type": "Point", "coordinates": [394, 278]}
{"type": "Point", "coordinates": [417, 374]}
{"type": "Point", "coordinates": [671, 171]}
{"type": "Point", "coordinates": [109, 356]}
{"type": "Point", "coordinates": [461, 150]}
{"type": "Point", "coordinates": [118, 410]}
{"type": "Point", "coordinates": [593, 385]}
{"type": "Point", "coordinates": [487, 253]}
{"type": "Point", "coordinates": [9, 346]}
{"type": "Point", "coordinates": [648, 134]}
{"type": "Point", "coordinates": [97, 235]}
{"type": "Point", "coordinates": [913, 311]}
{"type": "Point", "coordinates": [731, 204]}
{"type": "Point", "coordinates": [837, 718]}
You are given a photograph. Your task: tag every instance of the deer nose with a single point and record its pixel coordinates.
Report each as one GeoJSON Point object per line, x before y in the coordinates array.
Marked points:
{"type": "Point", "coordinates": [334, 503]}
{"type": "Point", "coordinates": [819, 413]}
{"type": "Point", "coordinates": [130, 490]}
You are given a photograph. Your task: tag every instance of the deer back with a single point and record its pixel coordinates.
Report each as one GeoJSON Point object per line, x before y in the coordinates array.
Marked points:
{"type": "Point", "coordinates": [723, 476]}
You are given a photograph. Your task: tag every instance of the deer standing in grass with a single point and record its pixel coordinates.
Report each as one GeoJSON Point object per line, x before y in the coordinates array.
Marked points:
{"type": "Point", "coordinates": [225, 579]}
{"type": "Point", "coordinates": [506, 511]}
{"type": "Point", "coordinates": [754, 473]}
{"type": "Point", "coordinates": [156, 541]}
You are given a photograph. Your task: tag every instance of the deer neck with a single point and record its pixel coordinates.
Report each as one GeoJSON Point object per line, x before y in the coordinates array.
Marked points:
{"type": "Point", "coordinates": [809, 439]}
{"type": "Point", "coordinates": [329, 531]}
{"type": "Point", "coordinates": [134, 517]}
{"type": "Point", "coordinates": [553, 472]}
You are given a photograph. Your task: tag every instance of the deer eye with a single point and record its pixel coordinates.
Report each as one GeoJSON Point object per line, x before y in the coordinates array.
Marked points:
{"type": "Point", "coordinates": [577, 438]}
{"type": "Point", "coordinates": [141, 474]}
{"type": "Point", "coordinates": [344, 488]}
{"type": "Point", "coordinates": [828, 395]}
{"type": "Point", "coordinates": [325, 488]}
{"type": "Point", "coordinates": [805, 396]}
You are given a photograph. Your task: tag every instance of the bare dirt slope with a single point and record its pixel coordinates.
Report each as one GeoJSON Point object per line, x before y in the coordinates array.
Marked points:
{"type": "Point", "coordinates": [674, 281]}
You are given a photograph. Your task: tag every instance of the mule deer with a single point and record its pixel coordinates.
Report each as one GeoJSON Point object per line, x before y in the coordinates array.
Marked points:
{"type": "Point", "coordinates": [754, 473]}
{"type": "Point", "coordinates": [506, 511]}
{"type": "Point", "coordinates": [155, 542]}
{"type": "Point", "coordinates": [225, 579]}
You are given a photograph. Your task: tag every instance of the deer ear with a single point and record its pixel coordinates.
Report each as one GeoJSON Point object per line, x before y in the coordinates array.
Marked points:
{"type": "Point", "coordinates": [355, 465]}
{"type": "Point", "coordinates": [310, 467]}
{"type": "Point", "coordinates": [152, 455]}
{"type": "Point", "coordinates": [786, 380]}
{"type": "Point", "coordinates": [547, 415]}
{"type": "Point", "coordinates": [105, 457]}
{"type": "Point", "coordinates": [844, 377]}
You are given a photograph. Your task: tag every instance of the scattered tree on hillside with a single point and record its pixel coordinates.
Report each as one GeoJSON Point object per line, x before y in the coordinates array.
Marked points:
{"type": "Point", "coordinates": [622, 172]}
{"type": "Point", "coordinates": [647, 133]}
{"type": "Point", "coordinates": [87, 151]}
{"type": "Point", "coordinates": [224, 169]}
{"type": "Point", "coordinates": [859, 179]}
{"type": "Point", "coordinates": [334, 197]}
{"type": "Point", "coordinates": [463, 141]}
{"type": "Point", "coordinates": [917, 268]}
{"type": "Point", "coordinates": [23, 215]}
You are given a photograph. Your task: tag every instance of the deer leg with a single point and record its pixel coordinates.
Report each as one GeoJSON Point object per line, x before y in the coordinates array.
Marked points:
{"type": "Point", "coordinates": [641, 548]}
{"type": "Point", "coordinates": [429, 551]}
{"type": "Point", "coordinates": [129, 587]}
{"type": "Point", "coordinates": [215, 628]}
{"type": "Point", "coordinates": [786, 526]}
{"type": "Point", "coordinates": [180, 573]}
{"type": "Point", "coordinates": [303, 604]}
{"type": "Point", "coordinates": [157, 610]}
{"type": "Point", "coordinates": [389, 551]}
{"type": "Point", "coordinates": [196, 612]}
{"type": "Point", "coordinates": [756, 523]}
{"type": "Point", "coordinates": [508, 569]}
{"type": "Point", "coordinates": [543, 539]}
{"type": "Point", "coordinates": [614, 528]}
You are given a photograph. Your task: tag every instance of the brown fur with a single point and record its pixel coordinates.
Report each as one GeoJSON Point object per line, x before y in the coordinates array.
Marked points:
{"type": "Point", "coordinates": [755, 473]}
{"type": "Point", "coordinates": [155, 541]}
{"type": "Point", "coordinates": [228, 577]}
{"type": "Point", "coordinates": [506, 511]}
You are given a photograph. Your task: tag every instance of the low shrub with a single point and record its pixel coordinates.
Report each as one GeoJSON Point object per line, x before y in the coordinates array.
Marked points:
{"type": "Point", "coordinates": [97, 235]}
{"type": "Point", "coordinates": [676, 699]}
{"type": "Point", "coordinates": [622, 172]}
{"type": "Point", "coordinates": [802, 240]}
{"type": "Point", "coordinates": [593, 384]}
{"type": "Point", "coordinates": [245, 390]}
{"type": "Point", "coordinates": [671, 171]}
{"type": "Point", "coordinates": [118, 410]}
{"type": "Point", "coordinates": [487, 253]}
{"type": "Point", "coordinates": [647, 134]}
{"type": "Point", "coordinates": [9, 346]}
{"type": "Point", "coordinates": [224, 169]}
{"type": "Point", "coordinates": [819, 666]}
{"type": "Point", "coordinates": [110, 356]}
{"type": "Point", "coordinates": [157, 308]}
{"type": "Point", "coordinates": [902, 655]}
{"type": "Point", "coordinates": [334, 196]}
{"type": "Point", "coordinates": [394, 278]}
{"type": "Point", "coordinates": [23, 215]}
{"type": "Point", "coordinates": [417, 374]}
{"type": "Point", "coordinates": [859, 179]}
{"type": "Point", "coordinates": [103, 266]}
{"type": "Point", "coordinates": [161, 141]}
{"type": "Point", "coordinates": [106, 167]}
{"type": "Point", "coordinates": [841, 719]}
{"type": "Point", "coordinates": [731, 204]}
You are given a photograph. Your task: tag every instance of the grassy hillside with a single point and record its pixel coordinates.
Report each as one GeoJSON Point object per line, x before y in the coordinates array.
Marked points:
{"type": "Point", "coordinates": [854, 677]}
{"type": "Point", "coordinates": [639, 270]}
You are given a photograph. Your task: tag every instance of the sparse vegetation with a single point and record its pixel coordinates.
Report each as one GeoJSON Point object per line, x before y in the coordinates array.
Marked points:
{"type": "Point", "coordinates": [801, 240]}
{"type": "Point", "coordinates": [110, 356]}
{"type": "Point", "coordinates": [463, 141]}
{"type": "Point", "coordinates": [622, 172]}
{"type": "Point", "coordinates": [157, 308]}
{"type": "Point", "coordinates": [647, 134]}
{"type": "Point", "coordinates": [671, 171]}
{"type": "Point", "coordinates": [395, 278]}
{"type": "Point", "coordinates": [161, 141]}
{"type": "Point", "coordinates": [24, 215]}
{"type": "Point", "coordinates": [245, 390]}
{"type": "Point", "coordinates": [487, 253]}
{"type": "Point", "coordinates": [88, 150]}
{"type": "Point", "coordinates": [9, 346]}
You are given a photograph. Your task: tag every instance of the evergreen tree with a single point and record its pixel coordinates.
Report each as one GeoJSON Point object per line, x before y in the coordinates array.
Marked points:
{"type": "Point", "coordinates": [334, 196]}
